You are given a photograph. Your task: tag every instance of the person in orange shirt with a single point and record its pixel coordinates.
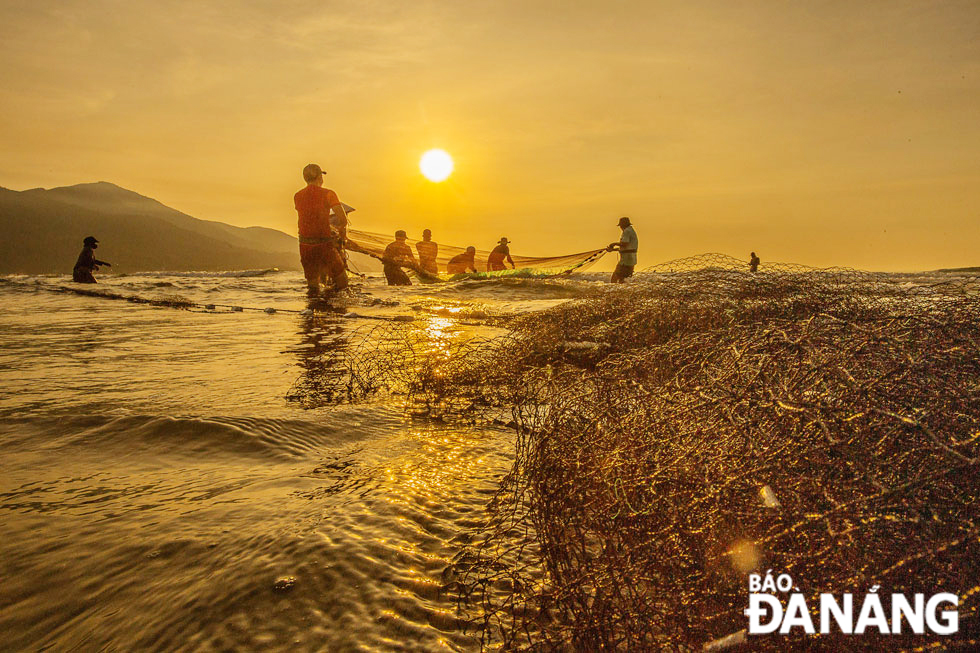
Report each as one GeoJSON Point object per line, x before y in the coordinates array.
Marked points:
{"type": "Point", "coordinates": [496, 259]}
{"type": "Point", "coordinates": [428, 251]}
{"type": "Point", "coordinates": [319, 247]}
{"type": "Point", "coordinates": [462, 263]}
{"type": "Point", "coordinates": [397, 255]}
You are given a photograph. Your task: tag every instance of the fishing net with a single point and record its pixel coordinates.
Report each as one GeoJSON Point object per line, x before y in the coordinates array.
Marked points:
{"type": "Point", "coordinates": [373, 245]}
{"type": "Point", "coordinates": [699, 424]}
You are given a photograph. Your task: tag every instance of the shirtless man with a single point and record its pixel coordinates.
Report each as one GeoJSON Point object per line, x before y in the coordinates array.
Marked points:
{"type": "Point", "coordinates": [462, 263]}
{"type": "Point", "coordinates": [496, 259]}
{"type": "Point", "coordinates": [428, 251]}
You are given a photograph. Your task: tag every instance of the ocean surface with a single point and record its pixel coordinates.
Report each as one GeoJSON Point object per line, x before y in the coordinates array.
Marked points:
{"type": "Point", "coordinates": [160, 490]}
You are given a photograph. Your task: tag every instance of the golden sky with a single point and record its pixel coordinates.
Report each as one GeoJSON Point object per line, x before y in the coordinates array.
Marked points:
{"type": "Point", "coordinates": [825, 133]}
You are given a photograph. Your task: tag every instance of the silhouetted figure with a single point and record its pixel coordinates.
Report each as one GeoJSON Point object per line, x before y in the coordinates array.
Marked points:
{"type": "Point", "coordinates": [463, 263]}
{"type": "Point", "coordinates": [428, 251]}
{"type": "Point", "coordinates": [754, 263]}
{"type": "Point", "coordinates": [319, 245]}
{"type": "Point", "coordinates": [626, 247]}
{"type": "Point", "coordinates": [497, 256]}
{"type": "Point", "coordinates": [87, 263]}
{"type": "Point", "coordinates": [396, 255]}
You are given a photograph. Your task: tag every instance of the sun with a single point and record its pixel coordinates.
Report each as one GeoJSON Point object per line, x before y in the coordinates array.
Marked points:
{"type": "Point", "coordinates": [436, 165]}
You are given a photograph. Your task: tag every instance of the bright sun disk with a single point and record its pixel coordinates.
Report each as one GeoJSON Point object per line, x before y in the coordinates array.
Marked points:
{"type": "Point", "coordinates": [436, 165]}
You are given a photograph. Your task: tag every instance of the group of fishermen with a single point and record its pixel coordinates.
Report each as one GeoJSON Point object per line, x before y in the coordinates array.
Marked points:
{"type": "Point", "coordinates": [398, 255]}
{"type": "Point", "coordinates": [323, 239]}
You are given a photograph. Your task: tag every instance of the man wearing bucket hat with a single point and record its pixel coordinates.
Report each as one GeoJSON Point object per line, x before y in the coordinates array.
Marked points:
{"type": "Point", "coordinates": [319, 246]}
{"type": "Point", "coordinates": [626, 247]}
{"type": "Point", "coordinates": [87, 263]}
{"type": "Point", "coordinates": [397, 255]}
{"type": "Point", "coordinates": [496, 259]}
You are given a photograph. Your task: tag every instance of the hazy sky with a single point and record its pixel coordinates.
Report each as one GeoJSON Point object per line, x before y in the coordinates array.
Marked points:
{"type": "Point", "coordinates": [825, 133]}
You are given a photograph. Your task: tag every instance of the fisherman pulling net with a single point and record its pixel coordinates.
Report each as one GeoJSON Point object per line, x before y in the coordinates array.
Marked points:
{"type": "Point", "coordinates": [441, 262]}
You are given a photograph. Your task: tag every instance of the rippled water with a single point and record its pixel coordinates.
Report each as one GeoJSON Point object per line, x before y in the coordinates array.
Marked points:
{"type": "Point", "coordinates": [157, 483]}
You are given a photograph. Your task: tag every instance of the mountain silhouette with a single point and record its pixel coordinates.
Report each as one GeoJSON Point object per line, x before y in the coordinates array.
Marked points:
{"type": "Point", "coordinates": [43, 231]}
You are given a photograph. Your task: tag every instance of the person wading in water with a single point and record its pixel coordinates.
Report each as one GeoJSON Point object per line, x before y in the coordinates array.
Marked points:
{"type": "Point", "coordinates": [319, 246]}
{"type": "Point", "coordinates": [462, 263]}
{"type": "Point", "coordinates": [428, 251]}
{"type": "Point", "coordinates": [497, 256]}
{"type": "Point", "coordinates": [396, 255]}
{"type": "Point", "coordinates": [87, 263]}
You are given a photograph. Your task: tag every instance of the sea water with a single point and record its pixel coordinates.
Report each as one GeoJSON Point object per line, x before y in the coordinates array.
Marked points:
{"type": "Point", "coordinates": [159, 491]}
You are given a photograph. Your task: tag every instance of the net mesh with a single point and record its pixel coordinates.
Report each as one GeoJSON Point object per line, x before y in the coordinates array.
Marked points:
{"type": "Point", "coordinates": [699, 424]}
{"type": "Point", "coordinates": [373, 245]}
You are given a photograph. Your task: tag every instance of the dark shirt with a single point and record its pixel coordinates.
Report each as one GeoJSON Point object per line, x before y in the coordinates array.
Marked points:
{"type": "Point", "coordinates": [86, 260]}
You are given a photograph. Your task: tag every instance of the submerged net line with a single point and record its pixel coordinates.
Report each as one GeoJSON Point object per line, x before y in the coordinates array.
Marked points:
{"type": "Point", "coordinates": [174, 301]}
{"type": "Point", "coordinates": [699, 424]}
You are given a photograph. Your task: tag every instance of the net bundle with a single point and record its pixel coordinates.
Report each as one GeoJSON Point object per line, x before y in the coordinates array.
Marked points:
{"type": "Point", "coordinates": [705, 423]}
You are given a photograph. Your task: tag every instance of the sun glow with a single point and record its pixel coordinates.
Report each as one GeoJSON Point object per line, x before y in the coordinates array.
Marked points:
{"type": "Point", "coordinates": [436, 165]}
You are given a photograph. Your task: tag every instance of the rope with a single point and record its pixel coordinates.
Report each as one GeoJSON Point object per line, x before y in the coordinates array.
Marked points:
{"type": "Point", "coordinates": [592, 259]}
{"type": "Point", "coordinates": [232, 308]}
{"type": "Point", "coordinates": [166, 303]}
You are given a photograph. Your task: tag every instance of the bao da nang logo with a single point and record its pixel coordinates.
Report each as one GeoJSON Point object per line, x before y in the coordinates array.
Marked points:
{"type": "Point", "coordinates": [851, 614]}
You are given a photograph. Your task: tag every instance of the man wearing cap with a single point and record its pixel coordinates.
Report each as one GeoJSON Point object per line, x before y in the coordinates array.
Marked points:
{"type": "Point", "coordinates": [428, 251]}
{"type": "Point", "coordinates": [319, 246]}
{"type": "Point", "coordinates": [87, 263]}
{"type": "Point", "coordinates": [496, 259]}
{"type": "Point", "coordinates": [396, 255]}
{"type": "Point", "coordinates": [626, 247]}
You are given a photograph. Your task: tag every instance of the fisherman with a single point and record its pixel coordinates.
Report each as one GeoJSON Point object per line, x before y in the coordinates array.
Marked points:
{"type": "Point", "coordinates": [496, 259]}
{"type": "Point", "coordinates": [626, 247]}
{"type": "Point", "coordinates": [428, 251]}
{"type": "Point", "coordinates": [462, 263]}
{"type": "Point", "coordinates": [87, 263]}
{"type": "Point", "coordinates": [398, 254]}
{"type": "Point", "coordinates": [319, 246]}
{"type": "Point", "coordinates": [754, 263]}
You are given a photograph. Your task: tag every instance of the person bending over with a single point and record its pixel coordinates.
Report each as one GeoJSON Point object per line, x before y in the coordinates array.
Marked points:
{"type": "Point", "coordinates": [397, 255]}
{"type": "Point", "coordinates": [496, 259]}
{"type": "Point", "coordinates": [462, 263]}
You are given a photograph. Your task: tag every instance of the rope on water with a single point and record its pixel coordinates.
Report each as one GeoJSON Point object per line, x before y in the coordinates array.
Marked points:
{"type": "Point", "coordinates": [184, 304]}
{"type": "Point", "coordinates": [173, 302]}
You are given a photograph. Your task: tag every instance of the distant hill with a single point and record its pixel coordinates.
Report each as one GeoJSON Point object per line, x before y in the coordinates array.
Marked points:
{"type": "Point", "coordinates": [43, 232]}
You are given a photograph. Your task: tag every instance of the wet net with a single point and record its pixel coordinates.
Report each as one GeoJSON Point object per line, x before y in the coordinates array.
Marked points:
{"type": "Point", "coordinates": [373, 245]}
{"type": "Point", "coordinates": [700, 424]}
